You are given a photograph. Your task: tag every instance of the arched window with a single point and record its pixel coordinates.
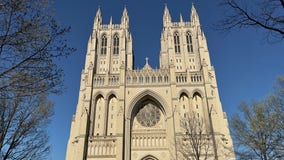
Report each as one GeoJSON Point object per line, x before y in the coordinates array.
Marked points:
{"type": "Point", "coordinates": [189, 42]}
{"type": "Point", "coordinates": [104, 45]}
{"type": "Point", "coordinates": [115, 44]}
{"type": "Point", "coordinates": [97, 121]}
{"type": "Point", "coordinates": [153, 79]}
{"type": "Point", "coordinates": [166, 78]}
{"type": "Point", "coordinates": [176, 42]}
{"type": "Point", "coordinates": [111, 110]}
{"type": "Point", "coordinates": [128, 79]}
{"type": "Point", "coordinates": [160, 78]}
{"type": "Point", "coordinates": [147, 79]}
{"type": "Point", "coordinates": [197, 96]}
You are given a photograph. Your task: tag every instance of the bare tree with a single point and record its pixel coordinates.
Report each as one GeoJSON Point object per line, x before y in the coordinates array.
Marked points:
{"type": "Point", "coordinates": [267, 15]}
{"type": "Point", "coordinates": [23, 127]}
{"type": "Point", "coordinates": [195, 143]}
{"type": "Point", "coordinates": [31, 40]}
{"type": "Point", "coordinates": [258, 132]}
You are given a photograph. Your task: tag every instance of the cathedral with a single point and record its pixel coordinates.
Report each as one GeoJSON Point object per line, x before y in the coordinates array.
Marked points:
{"type": "Point", "coordinates": [170, 113]}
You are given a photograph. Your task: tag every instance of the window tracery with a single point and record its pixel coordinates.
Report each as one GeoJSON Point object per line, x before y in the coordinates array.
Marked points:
{"type": "Point", "coordinates": [116, 44]}
{"type": "Point", "coordinates": [149, 115]}
{"type": "Point", "coordinates": [104, 45]}
{"type": "Point", "coordinates": [189, 42]}
{"type": "Point", "coordinates": [176, 42]}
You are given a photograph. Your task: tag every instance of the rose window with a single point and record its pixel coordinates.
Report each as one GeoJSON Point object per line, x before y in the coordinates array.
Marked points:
{"type": "Point", "coordinates": [149, 115]}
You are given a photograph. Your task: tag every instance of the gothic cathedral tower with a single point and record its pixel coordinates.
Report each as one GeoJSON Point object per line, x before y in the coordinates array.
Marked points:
{"type": "Point", "coordinates": [127, 114]}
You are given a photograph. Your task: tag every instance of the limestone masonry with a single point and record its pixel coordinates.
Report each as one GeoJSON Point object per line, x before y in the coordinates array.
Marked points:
{"type": "Point", "coordinates": [125, 114]}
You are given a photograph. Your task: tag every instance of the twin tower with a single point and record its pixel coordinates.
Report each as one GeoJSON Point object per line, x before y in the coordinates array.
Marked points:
{"type": "Point", "coordinates": [128, 114]}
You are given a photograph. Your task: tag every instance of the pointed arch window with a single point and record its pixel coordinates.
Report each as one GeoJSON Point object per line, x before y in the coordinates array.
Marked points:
{"type": "Point", "coordinates": [176, 42]}
{"type": "Point", "coordinates": [116, 44]}
{"type": "Point", "coordinates": [189, 42]}
{"type": "Point", "coordinates": [104, 45]}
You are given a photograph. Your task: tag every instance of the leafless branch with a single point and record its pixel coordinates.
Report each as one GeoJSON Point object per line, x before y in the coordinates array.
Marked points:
{"type": "Point", "coordinates": [196, 142]}
{"type": "Point", "coordinates": [265, 15]}
{"type": "Point", "coordinates": [30, 42]}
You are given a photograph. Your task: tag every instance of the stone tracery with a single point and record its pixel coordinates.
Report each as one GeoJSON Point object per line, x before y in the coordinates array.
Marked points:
{"type": "Point", "coordinates": [149, 115]}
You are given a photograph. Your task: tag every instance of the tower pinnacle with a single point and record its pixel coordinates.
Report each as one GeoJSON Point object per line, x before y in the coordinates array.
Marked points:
{"type": "Point", "coordinates": [180, 17]}
{"type": "Point", "coordinates": [194, 18]}
{"type": "Point", "coordinates": [98, 18]}
{"type": "Point", "coordinates": [125, 18]}
{"type": "Point", "coordinates": [110, 20]}
{"type": "Point", "coordinates": [166, 17]}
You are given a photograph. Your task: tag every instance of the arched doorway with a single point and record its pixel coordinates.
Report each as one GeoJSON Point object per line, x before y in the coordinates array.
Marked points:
{"type": "Point", "coordinates": [133, 138]}
{"type": "Point", "coordinates": [149, 157]}
{"type": "Point", "coordinates": [148, 128]}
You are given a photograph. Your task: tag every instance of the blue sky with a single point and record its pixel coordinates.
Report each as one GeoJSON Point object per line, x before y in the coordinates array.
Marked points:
{"type": "Point", "coordinates": [245, 64]}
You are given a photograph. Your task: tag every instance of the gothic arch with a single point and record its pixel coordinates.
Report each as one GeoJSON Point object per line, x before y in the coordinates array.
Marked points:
{"type": "Point", "coordinates": [148, 95]}
{"type": "Point", "coordinates": [149, 157]}
{"type": "Point", "coordinates": [115, 41]}
{"type": "Point", "coordinates": [176, 32]}
{"type": "Point", "coordinates": [145, 95]}
{"type": "Point", "coordinates": [189, 42]}
{"type": "Point", "coordinates": [197, 91]}
{"type": "Point", "coordinates": [116, 34]}
{"type": "Point", "coordinates": [111, 94]}
{"type": "Point", "coordinates": [177, 41]}
{"type": "Point", "coordinates": [97, 94]}
{"type": "Point", "coordinates": [183, 91]}
{"type": "Point", "coordinates": [188, 32]}
{"type": "Point", "coordinates": [93, 112]}
{"type": "Point", "coordinates": [104, 43]}
{"type": "Point", "coordinates": [103, 34]}
{"type": "Point", "coordinates": [111, 108]}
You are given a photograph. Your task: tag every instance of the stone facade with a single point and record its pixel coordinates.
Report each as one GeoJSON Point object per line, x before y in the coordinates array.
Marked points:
{"type": "Point", "coordinates": [125, 114]}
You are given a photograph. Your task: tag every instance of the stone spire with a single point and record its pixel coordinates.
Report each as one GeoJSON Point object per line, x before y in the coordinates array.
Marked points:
{"type": "Point", "coordinates": [194, 18]}
{"type": "Point", "coordinates": [125, 18]}
{"type": "Point", "coordinates": [98, 19]}
{"type": "Point", "coordinates": [166, 17]}
{"type": "Point", "coordinates": [110, 20]}
{"type": "Point", "coordinates": [180, 17]}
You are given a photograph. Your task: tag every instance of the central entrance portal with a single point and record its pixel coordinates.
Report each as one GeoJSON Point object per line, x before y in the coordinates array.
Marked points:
{"type": "Point", "coordinates": [149, 158]}
{"type": "Point", "coordinates": [148, 131]}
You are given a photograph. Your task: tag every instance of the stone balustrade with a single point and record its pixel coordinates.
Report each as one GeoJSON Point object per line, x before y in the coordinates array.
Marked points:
{"type": "Point", "coordinates": [153, 140]}
{"type": "Point", "coordinates": [140, 77]}
{"type": "Point", "coordinates": [102, 147]}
